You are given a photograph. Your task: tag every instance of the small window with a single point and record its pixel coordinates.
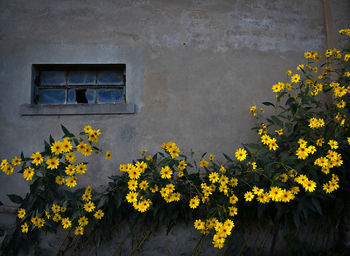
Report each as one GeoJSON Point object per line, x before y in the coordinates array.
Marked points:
{"type": "Point", "coordinates": [78, 84]}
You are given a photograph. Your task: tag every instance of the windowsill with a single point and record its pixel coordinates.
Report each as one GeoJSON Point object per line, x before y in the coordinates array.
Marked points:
{"type": "Point", "coordinates": [77, 109]}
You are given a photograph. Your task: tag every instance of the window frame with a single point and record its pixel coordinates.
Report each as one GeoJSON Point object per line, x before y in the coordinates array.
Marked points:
{"type": "Point", "coordinates": [66, 68]}
{"type": "Point", "coordinates": [37, 109]}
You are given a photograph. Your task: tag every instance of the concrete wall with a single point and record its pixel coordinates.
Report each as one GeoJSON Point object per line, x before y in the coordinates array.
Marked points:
{"type": "Point", "coordinates": [193, 69]}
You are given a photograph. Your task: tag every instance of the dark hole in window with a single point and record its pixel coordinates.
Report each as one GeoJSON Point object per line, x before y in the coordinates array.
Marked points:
{"type": "Point", "coordinates": [81, 96]}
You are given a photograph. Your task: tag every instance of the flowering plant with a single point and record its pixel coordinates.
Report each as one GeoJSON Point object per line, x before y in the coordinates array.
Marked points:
{"type": "Point", "coordinates": [294, 170]}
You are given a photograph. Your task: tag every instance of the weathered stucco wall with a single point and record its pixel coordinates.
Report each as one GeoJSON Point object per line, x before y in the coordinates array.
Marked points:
{"type": "Point", "coordinates": [193, 69]}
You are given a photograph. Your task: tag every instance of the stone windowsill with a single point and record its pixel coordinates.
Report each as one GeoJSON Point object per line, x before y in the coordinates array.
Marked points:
{"type": "Point", "coordinates": [77, 109]}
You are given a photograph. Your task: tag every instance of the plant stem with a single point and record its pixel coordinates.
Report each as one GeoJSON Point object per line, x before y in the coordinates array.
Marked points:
{"type": "Point", "coordinates": [63, 241]}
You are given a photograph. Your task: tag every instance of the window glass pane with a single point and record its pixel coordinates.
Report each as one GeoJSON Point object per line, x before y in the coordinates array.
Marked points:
{"type": "Point", "coordinates": [52, 96]}
{"type": "Point", "coordinates": [90, 95]}
{"type": "Point", "coordinates": [109, 96]}
{"type": "Point", "coordinates": [81, 77]}
{"type": "Point", "coordinates": [71, 97]}
{"type": "Point", "coordinates": [110, 77]}
{"type": "Point", "coordinates": [53, 78]}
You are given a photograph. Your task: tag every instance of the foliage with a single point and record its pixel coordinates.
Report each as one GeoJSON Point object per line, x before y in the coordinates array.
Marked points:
{"type": "Point", "coordinates": [293, 172]}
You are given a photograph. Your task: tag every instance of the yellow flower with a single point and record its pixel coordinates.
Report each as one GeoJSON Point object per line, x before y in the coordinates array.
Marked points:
{"type": "Point", "coordinates": [315, 123]}
{"type": "Point", "coordinates": [37, 158]}
{"type": "Point", "coordinates": [83, 221]}
{"type": "Point", "coordinates": [21, 213]}
{"type": "Point", "coordinates": [265, 139]}
{"type": "Point", "coordinates": [57, 147]}
{"type": "Point", "coordinates": [203, 163]}
{"type": "Point", "coordinates": [24, 227]}
{"type": "Point", "coordinates": [214, 177]}
{"type": "Point", "coordinates": [71, 181]}
{"type": "Point", "coordinates": [166, 172]}
{"type": "Point", "coordinates": [211, 157]}
{"type": "Point", "coordinates": [86, 197]}
{"type": "Point", "coordinates": [295, 78]}
{"type": "Point", "coordinates": [222, 169]}
{"type": "Point", "coordinates": [232, 211]}
{"type": "Point", "coordinates": [341, 104]}
{"type": "Point", "coordinates": [59, 180]}
{"type": "Point", "coordinates": [87, 129]}
{"type": "Point", "coordinates": [99, 214]}
{"type": "Point", "coordinates": [254, 165]}
{"type": "Point", "coordinates": [275, 194]}
{"type": "Point", "coordinates": [79, 231]}
{"type": "Point", "coordinates": [180, 174]}
{"type": "Point", "coordinates": [71, 157]}
{"type": "Point", "coordinates": [16, 161]}
{"type": "Point", "coordinates": [273, 145]}
{"type": "Point", "coordinates": [28, 173]}
{"type": "Point", "coordinates": [81, 147]}
{"type": "Point", "coordinates": [300, 67]}
{"type": "Point", "coordinates": [81, 168]}
{"type": "Point", "coordinates": [302, 153]}
{"type": "Point", "coordinates": [309, 185]}
{"type": "Point", "coordinates": [132, 185]}
{"type": "Point", "coordinates": [87, 151]}
{"type": "Point", "coordinates": [143, 185]}
{"type": "Point", "coordinates": [154, 189]}
{"type": "Point", "coordinates": [108, 155]}
{"type": "Point", "coordinates": [66, 223]}
{"type": "Point", "coordinates": [89, 206]}
{"type": "Point", "coordinates": [52, 163]}
{"type": "Point", "coordinates": [8, 169]}
{"type": "Point", "coordinates": [194, 202]}
{"type": "Point", "coordinates": [279, 132]}
{"type": "Point", "coordinates": [144, 152]}
{"type": "Point", "coordinates": [257, 191]}
{"type": "Point", "coordinates": [241, 154]}
{"type": "Point", "coordinates": [57, 217]}
{"type": "Point", "coordinates": [93, 137]}
{"type": "Point", "coordinates": [199, 224]}
{"type": "Point", "coordinates": [131, 197]}
{"type": "Point", "coordinates": [233, 199]}
{"type": "Point", "coordinates": [56, 208]}
{"type": "Point", "coordinates": [248, 196]}
{"type": "Point", "coordinates": [320, 142]}
{"type": "Point", "coordinates": [70, 169]}
{"type": "Point", "coordinates": [333, 144]}
{"type": "Point", "coordinates": [252, 109]}
{"type": "Point", "coordinates": [289, 72]}
{"type": "Point", "coordinates": [66, 145]}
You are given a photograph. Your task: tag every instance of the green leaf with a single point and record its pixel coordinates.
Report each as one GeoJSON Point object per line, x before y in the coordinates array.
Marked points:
{"type": "Point", "coordinates": [296, 219]}
{"type": "Point", "coordinates": [227, 157]}
{"type": "Point", "coordinates": [66, 132]}
{"type": "Point", "coordinates": [51, 140]}
{"type": "Point", "coordinates": [317, 205]}
{"type": "Point", "coordinates": [47, 147]}
{"type": "Point", "coordinates": [277, 121]}
{"type": "Point", "coordinates": [15, 198]}
{"type": "Point", "coordinates": [266, 103]}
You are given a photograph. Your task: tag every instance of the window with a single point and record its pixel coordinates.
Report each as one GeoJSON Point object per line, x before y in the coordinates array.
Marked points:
{"type": "Point", "coordinates": [76, 84]}
{"type": "Point", "coordinates": [78, 89]}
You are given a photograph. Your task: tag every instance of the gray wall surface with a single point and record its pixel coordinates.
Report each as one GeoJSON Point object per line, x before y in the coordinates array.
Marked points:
{"type": "Point", "coordinates": [193, 69]}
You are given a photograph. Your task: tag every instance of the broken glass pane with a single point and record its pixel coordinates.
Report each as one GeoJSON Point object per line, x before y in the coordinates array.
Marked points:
{"type": "Point", "coordinates": [53, 78]}
{"type": "Point", "coordinates": [109, 96]}
{"type": "Point", "coordinates": [52, 96]}
{"type": "Point", "coordinates": [110, 77]}
{"type": "Point", "coordinates": [81, 77]}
